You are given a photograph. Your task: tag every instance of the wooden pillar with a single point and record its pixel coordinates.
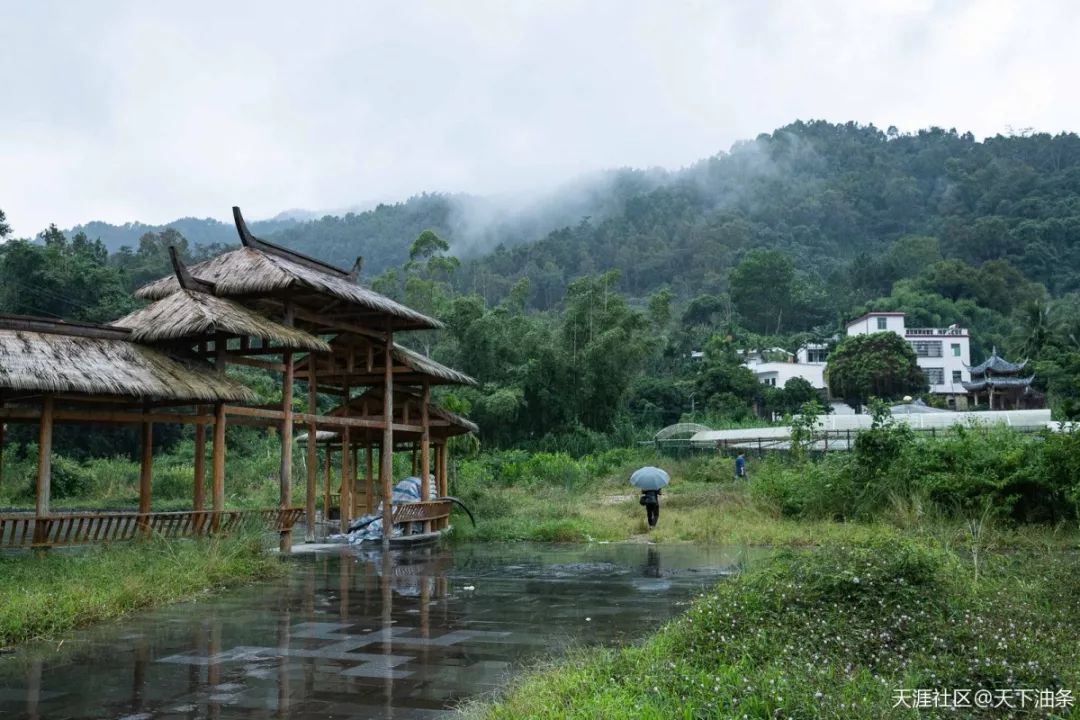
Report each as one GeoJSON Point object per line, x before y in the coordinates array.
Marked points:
{"type": "Point", "coordinates": [198, 501]}
{"type": "Point", "coordinates": [312, 451]}
{"type": "Point", "coordinates": [146, 474]}
{"type": "Point", "coordinates": [425, 451]}
{"type": "Point", "coordinates": [217, 458]}
{"type": "Point", "coordinates": [44, 476]}
{"type": "Point", "coordinates": [346, 496]}
{"type": "Point", "coordinates": [369, 476]}
{"type": "Point", "coordinates": [285, 538]}
{"type": "Point", "coordinates": [1, 452]}
{"type": "Point", "coordinates": [444, 457]}
{"type": "Point", "coordinates": [415, 463]}
{"type": "Point", "coordinates": [354, 475]}
{"type": "Point", "coordinates": [217, 466]}
{"type": "Point", "coordinates": [326, 490]}
{"type": "Point", "coordinates": [386, 459]}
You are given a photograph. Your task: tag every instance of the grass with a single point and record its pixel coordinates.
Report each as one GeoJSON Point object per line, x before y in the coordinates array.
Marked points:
{"type": "Point", "coordinates": [704, 504]}
{"type": "Point", "coordinates": [832, 632]}
{"type": "Point", "coordinates": [42, 595]}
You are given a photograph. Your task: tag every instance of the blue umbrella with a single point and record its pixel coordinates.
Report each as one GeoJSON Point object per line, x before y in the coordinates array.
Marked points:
{"type": "Point", "coordinates": [649, 478]}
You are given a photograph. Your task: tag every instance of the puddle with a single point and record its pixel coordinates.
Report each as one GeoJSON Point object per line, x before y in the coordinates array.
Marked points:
{"type": "Point", "coordinates": [349, 634]}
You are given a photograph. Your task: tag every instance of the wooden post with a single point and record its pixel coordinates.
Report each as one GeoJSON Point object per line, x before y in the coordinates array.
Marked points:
{"type": "Point", "coordinates": [415, 461]}
{"type": "Point", "coordinates": [346, 497]}
{"type": "Point", "coordinates": [354, 476]}
{"type": "Point", "coordinates": [425, 452]}
{"type": "Point", "coordinates": [1, 451]}
{"type": "Point", "coordinates": [44, 476]}
{"type": "Point", "coordinates": [386, 459]}
{"type": "Point", "coordinates": [146, 473]}
{"type": "Point", "coordinates": [217, 458]}
{"type": "Point", "coordinates": [369, 476]}
{"type": "Point", "coordinates": [326, 490]}
{"type": "Point", "coordinates": [285, 539]}
{"type": "Point", "coordinates": [199, 496]}
{"type": "Point", "coordinates": [217, 466]}
{"type": "Point", "coordinates": [444, 490]}
{"type": "Point", "coordinates": [312, 450]}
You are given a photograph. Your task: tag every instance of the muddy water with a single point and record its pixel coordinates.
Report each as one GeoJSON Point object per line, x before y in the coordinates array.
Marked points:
{"type": "Point", "coordinates": [348, 634]}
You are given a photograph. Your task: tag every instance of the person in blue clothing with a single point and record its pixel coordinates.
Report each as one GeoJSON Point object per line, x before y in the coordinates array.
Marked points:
{"type": "Point", "coordinates": [740, 467]}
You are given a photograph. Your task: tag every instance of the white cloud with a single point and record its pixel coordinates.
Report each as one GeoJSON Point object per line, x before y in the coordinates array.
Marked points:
{"type": "Point", "coordinates": [125, 110]}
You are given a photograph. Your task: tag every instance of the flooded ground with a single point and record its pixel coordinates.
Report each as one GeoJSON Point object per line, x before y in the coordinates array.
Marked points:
{"type": "Point", "coordinates": [349, 634]}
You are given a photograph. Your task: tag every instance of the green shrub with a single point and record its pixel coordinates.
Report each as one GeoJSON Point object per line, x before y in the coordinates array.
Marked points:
{"type": "Point", "coordinates": [174, 482]}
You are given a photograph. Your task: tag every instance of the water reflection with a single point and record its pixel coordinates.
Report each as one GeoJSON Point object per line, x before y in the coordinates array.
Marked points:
{"type": "Point", "coordinates": [347, 634]}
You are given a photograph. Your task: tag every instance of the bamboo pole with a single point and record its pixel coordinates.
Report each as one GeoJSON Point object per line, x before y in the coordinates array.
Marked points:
{"type": "Point", "coordinates": [44, 476]}
{"type": "Point", "coordinates": [199, 497]}
{"type": "Point", "coordinates": [146, 473]}
{"type": "Point", "coordinates": [425, 451]}
{"type": "Point", "coordinates": [312, 451]}
{"type": "Point", "coordinates": [386, 459]}
{"type": "Point", "coordinates": [285, 538]}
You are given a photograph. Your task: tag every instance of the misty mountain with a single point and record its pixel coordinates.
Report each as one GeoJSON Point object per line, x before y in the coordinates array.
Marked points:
{"type": "Point", "coordinates": [833, 198]}
{"type": "Point", "coordinates": [198, 231]}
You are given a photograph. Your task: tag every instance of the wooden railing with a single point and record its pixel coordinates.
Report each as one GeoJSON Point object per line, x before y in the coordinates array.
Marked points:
{"type": "Point", "coordinates": [96, 527]}
{"type": "Point", "coordinates": [421, 511]}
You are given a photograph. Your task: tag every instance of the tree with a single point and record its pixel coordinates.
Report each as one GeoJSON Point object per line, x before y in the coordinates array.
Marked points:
{"type": "Point", "coordinates": [5, 229]}
{"type": "Point", "coordinates": [879, 365]}
{"type": "Point", "coordinates": [763, 288]}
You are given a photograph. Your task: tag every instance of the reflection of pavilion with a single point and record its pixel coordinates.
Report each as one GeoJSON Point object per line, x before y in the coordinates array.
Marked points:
{"type": "Point", "coordinates": [1002, 383]}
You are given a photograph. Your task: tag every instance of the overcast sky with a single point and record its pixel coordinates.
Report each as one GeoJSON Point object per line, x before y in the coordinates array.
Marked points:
{"type": "Point", "coordinates": [150, 111]}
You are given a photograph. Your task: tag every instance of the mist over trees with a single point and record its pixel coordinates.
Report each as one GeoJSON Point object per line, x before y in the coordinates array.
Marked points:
{"type": "Point", "coordinates": [581, 318]}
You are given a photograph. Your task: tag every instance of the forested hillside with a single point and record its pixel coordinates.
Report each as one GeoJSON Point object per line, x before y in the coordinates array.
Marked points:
{"type": "Point", "coordinates": [584, 332]}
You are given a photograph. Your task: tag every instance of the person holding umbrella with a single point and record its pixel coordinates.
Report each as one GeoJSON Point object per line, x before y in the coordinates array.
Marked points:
{"type": "Point", "coordinates": [649, 480]}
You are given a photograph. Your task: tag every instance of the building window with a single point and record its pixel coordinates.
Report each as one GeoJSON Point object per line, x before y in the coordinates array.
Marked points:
{"type": "Point", "coordinates": [927, 348]}
{"type": "Point", "coordinates": [935, 376]}
{"type": "Point", "coordinates": [815, 355]}
{"type": "Point", "coordinates": [881, 323]}
{"type": "Point", "coordinates": [956, 349]}
{"type": "Point", "coordinates": [957, 377]}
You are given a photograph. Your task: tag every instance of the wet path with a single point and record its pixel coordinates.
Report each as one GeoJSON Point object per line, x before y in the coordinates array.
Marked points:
{"type": "Point", "coordinates": [359, 635]}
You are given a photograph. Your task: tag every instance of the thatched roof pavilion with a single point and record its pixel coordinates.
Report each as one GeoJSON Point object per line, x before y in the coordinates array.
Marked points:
{"type": "Point", "coordinates": [261, 306]}
{"type": "Point", "coordinates": [46, 356]}
{"type": "Point", "coordinates": [268, 273]}
{"type": "Point", "coordinates": [198, 316]}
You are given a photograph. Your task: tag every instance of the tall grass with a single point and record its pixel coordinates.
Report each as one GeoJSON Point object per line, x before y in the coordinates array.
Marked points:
{"type": "Point", "coordinates": [46, 594]}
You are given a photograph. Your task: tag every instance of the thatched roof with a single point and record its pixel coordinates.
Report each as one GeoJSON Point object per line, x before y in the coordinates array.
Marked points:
{"type": "Point", "coordinates": [426, 366]}
{"type": "Point", "coordinates": [251, 272]}
{"type": "Point", "coordinates": [56, 357]}
{"type": "Point", "coordinates": [189, 314]}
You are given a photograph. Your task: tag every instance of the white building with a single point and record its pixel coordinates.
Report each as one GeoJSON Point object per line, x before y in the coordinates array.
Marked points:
{"type": "Point", "coordinates": [944, 354]}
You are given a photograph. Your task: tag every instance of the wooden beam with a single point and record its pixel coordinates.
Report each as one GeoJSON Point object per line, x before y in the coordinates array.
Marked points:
{"type": "Point", "coordinates": [146, 473]}
{"type": "Point", "coordinates": [217, 480]}
{"type": "Point", "coordinates": [387, 455]}
{"type": "Point", "coordinates": [312, 451]}
{"type": "Point", "coordinates": [425, 450]}
{"type": "Point", "coordinates": [16, 414]}
{"type": "Point", "coordinates": [321, 321]}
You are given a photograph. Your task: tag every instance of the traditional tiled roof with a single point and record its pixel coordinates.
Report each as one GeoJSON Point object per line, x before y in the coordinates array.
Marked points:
{"type": "Point", "coordinates": [996, 365]}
